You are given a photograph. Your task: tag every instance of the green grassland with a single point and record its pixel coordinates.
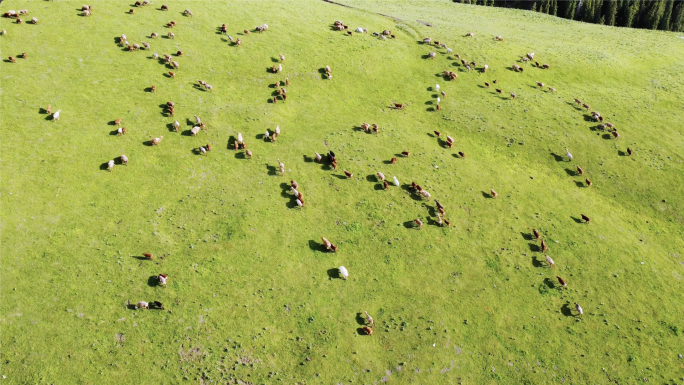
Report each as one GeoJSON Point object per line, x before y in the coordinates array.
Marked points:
{"type": "Point", "coordinates": [252, 296]}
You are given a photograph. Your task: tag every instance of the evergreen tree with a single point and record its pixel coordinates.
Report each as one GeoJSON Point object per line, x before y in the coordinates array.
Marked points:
{"type": "Point", "coordinates": [632, 12]}
{"type": "Point", "coordinates": [653, 14]}
{"type": "Point", "coordinates": [554, 7]}
{"type": "Point", "coordinates": [570, 9]}
{"type": "Point", "coordinates": [667, 16]}
{"type": "Point", "coordinates": [534, 7]}
{"type": "Point", "coordinates": [587, 11]}
{"type": "Point", "coordinates": [611, 12]}
{"type": "Point", "coordinates": [598, 11]}
{"type": "Point", "coordinates": [677, 24]}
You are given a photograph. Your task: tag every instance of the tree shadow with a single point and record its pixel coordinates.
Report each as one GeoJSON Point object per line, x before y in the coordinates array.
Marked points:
{"type": "Point", "coordinates": [534, 247]}
{"type": "Point", "coordinates": [536, 262]}
{"type": "Point", "coordinates": [487, 195]}
{"type": "Point", "coordinates": [577, 220]}
{"type": "Point", "coordinates": [557, 157]}
{"type": "Point", "coordinates": [566, 310]}
{"type": "Point", "coordinates": [527, 236]}
{"type": "Point", "coordinates": [315, 246]}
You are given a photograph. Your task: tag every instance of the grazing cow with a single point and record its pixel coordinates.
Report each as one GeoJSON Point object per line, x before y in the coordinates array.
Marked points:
{"type": "Point", "coordinates": [493, 193]}
{"type": "Point", "coordinates": [550, 261]}
{"type": "Point", "coordinates": [188, 12]}
{"type": "Point", "coordinates": [418, 223]}
{"type": "Point", "coordinates": [450, 141]}
{"type": "Point", "coordinates": [579, 310]}
{"type": "Point", "coordinates": [124, 159]}
{"type": "Point", "coordinates": [156, 141]}
{"type": "Point", "coordinates": [629, 151]}
{"type": "Point", "coordinates": [365, 126]}
{"type": "Point", "coordinates": [432, 55]}
{"type": "Point", "coordinates": [121, 131]}
{"type": "Point", "coordinates": [287, 81]}
{"type": "Point", "coordinates": [470, 34]}
{"type": "Point", "coordinates": [585, 218]}
{"type": "Point", "coordinates": [513, 95]}
{"type": "Point", "coordinates": [561, 281]}
{"type": "Point", "coordinates": [393, 160]}
{"type": "Point", "coordinates": [154, 35]}
{"type": "Point", "coordinates": [381, 176]}
{"type": "Point", "coordinates": [405, 153]}
{"type": "Point", "coordinates": [552, 89]}
{"type": "Point", "coordinates": [148, 256]}
{"type": "Point", "coordinates": [164, 7]}
{"type": "Point", "coordinates": [385, 185]}
{"type": "Point", "coordinates": [398, 106]}
{"type": "Point", "coordinates": [516, 68]}
{"type": "Point", "coordinates": [442, 93]}
{"type": "Point", "coordinates": [545, 66]}
{"type": "Point", "coordinates": [425, 194]}
{"type": "Point", "coordinates": [172, 74]}
{"type": "Point", "coordinates": [580, 170]}
{"type": "Point", "coordinates": [610, 125]}
{"type": "Point", "coordinates": [586, 106]}
{"type": "Point", "coordinates": [110, 165]}
{"type": "Point", "coordinates": [86, 12]}
{"type": "Point", "coordinates": [462, 154]}
{"type": "Point", "coordinates": [131, 11]}
{"type": "Point", "coordinates": [616, 135]}
{"type": "Point", "coordinates": [224, 29]}
{"type": "Point", "coordinates": [543, 246]}
{"type": "Point", "coordinates": [499, 38]}
{"type": "Point", "coordinates": [530, 55]}
{"type": "Point", "coordinates": [540, 84]}
{"type": "Point", "coordinates": [142, 305]}
{"type": "Point", "coordinates": [439, 207]}
{"type": "Point", "coordinates": [175, 64]}
{"type": "Point", "coordinates": [578, 101]}
{"type": "Point", "coordinates": [249, 153]}
{"type": "Point", "coordinates": [368, 330]}
{"type": "Point", "coordinates": [162, 279]}
{"type": "Point", "coordinates": [146, 45]}
{"type": "Point", "coordinates": [438, 108]}
{"type": "Point", "coordinates": [48, 109]}
{"type": "Point", "coordinates": [387, 33]}
{"type": "Point", "coordinates": [437, 133]}
{"type": "Point", "coordinates": [536, 233]}
{"type": "Point", "coordinates": [348, 174]}
{"type": "Point", "coordinates": [328, 72]}
{"type": "Point", "coordinates": [487, 84]}
{"type": "Point", "coordinates": [427, 40]}
{"type": "Point", "coordinates": [171, 35]}
{"type": "Point", "coordinates": [12, 59]}
{"type": "Point", "coordinates": [499, 91]}
{"type": "Point", "coordinates": [281, 166]}
{"type": "Point", "coordinates": [588, 182]}
{"type": "Point", "coordinates": [485, 68]}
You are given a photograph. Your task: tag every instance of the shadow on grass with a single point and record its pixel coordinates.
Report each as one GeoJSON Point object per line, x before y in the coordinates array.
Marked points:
{"type": "Point", "coordinates": [104, 166]}
{"type": "Point", "coordinates": [360, 319]}
{"type": "Point", "coordinates": [42, 111]}
{"type": "Point", "coordinates": [340, 176]}
{"type": "Point", "coordinates": [549, 283]}
{"type": "Point", "coordinates": [566, 310]}
{"type": "Point", "coordinates": [556, 157]}
{"type": "Point", "coordinates": [113, 133]}
{"type": "Point", "coordinates": [334, 273]}
{"type": "Point", "coordinates": [315, 246]}
{"type": "Point", "coordinates": [324, 75]}
{"type": "Point", "coordinates": [534, 247]}
{"type": "Point", "coordinates": [410, 225]}
{"type": "Point", "coordinates": [577, 220]}
{"type": "Point", "coordinates": [527, 236]}
{"type": "Point", "coordinates": [153, 281]}
{"type": "Point", "coordinates": [571, 172]}
{"type": "Point", "coordinates": [140, 257]}
{"type": "Point", "coordinates": [361, 332]}
{"type": "Point", "coordinates": [536, 262]}
{"type": "Point", "coordinates": [580, 184]}
{"type": "Point", "coordinates": [621, 153]}
{"type": "Point", "coordinates": [147, 143]}
{"type": "Point", "coordinates": [272, 170]}
{"type": "Point", "coordinates": [487, 195]}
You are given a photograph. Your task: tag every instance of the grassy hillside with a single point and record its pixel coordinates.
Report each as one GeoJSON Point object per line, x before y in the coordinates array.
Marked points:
{"type": "Point", "coordinates": [252, 295]}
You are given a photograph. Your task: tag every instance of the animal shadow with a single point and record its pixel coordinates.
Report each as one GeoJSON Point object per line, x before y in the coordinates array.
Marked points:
{"type": "Point", "coordinates": [315, 246]}
{"type": "Point", "coordinates": [378, 187]}
{"type": "Point", "coordinates": [240, 155]}
{"type": "Point", "coordinates": [153, 281]}
{"type": "Point", "coordinates": [621, 153]}
{"type": "Point", "coordinates": [549, 283]}
{"type": "Point", "coordinates": [187, 133]}
{"type": "Point", "coordinates": [147, 143]}
{"type": "Point", "coordinates": [557, 157]}
{"type": "Point", "coordinates": [410, 224]}
{"type": "Point", "coordinates": [340, 176]}
{"type": "Point", "coordinates": [104, 166]}
{"type": "Point", "coordinates": [372, 178]}
{"type": "Point", "coordinates": [430, 109]}
{"type": "Point", "coordinates": [605, 136]}
{"type": "Point", "coordinates": [113, 133]}
{"type": "Point", "coordinates": [140, 257]}
{"type": "Point", "coordinates": [171, 127]}
{"type": "Point", "coordinates": [324, 75]}
{"type": "Point", "coordinates": [487, 195]}
{"type": "Point", "coordinates": [536, 262]}
{"type": "Point", "coordinates": [571, 172]}
{"type": "Point", "coordinates": [360, 319]}
{"type": "Point", "coordinates": [360, 331]}
{"type": "Point", "coordinates": [333, 273]}
{"type": "Point", "coordinates": [148, 89]}
{"type": "Point", "coordinates": [274, 60]}
{"type": "Point", "coordinates": [527, 236]}
{"type": "Point", "coordinates": [42, 111]}
{"type": "Point", "coordinates": [272, 171]}
{"type": "Point", "coordinates": [577, 220]}
{"type": "Point", "coordinates": [566, 310]}
{"type": "Point", "coordinates": [534, 247]}
{"type": "Point", "coordinates": [167, 75]}
{"type": "Point", "coordinates": [579, 184]}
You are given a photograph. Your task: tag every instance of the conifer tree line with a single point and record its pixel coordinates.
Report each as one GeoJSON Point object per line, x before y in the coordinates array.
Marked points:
{"type": "Point", "coordinates": [666, 15]}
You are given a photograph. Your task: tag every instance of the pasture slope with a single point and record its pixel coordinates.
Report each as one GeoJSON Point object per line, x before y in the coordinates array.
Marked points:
{"type": "Point", "coordinates": [252, 296]}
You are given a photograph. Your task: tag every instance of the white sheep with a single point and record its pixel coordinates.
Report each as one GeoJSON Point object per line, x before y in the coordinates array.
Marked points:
{"type": "Point", "coordinates": [369, 318]}
{"type": "Point", "coordinates": [450, 51]}
{"type": "Point", "coordinates": [239, 138]}
{"type": "Point", "coordinates": [437, 87]}
{"type": "Point", "coordinates": [438, 100]}
{"type": "Point", "coordinates": [188, 12]}
{"type": "Point", "coordinates": [359, 30]}
{"type": "Point", "coordinates": [432, 55]}
{"type": "Point", "coordinates": [549, 261]}
{"type": "Point", "coordinates": [122, 38]}
{"type": "Point", "coordinates": [208, 87]}
{"type": "Point", "coordinates": [266, 135]}
{"type": "Point", "coordinates": [155, 56]}
{"type": "Point", "coordinates": [396, 181]}
{"type": "Point", "coordinates": [124, 159]}
{"type": "Point", "coordinates": [579, 309]}
{"type": "Point", "coordinates": [142, 305]}
{"type": "Point", "coordinates": [568, 154]}
{"type": "Point", "coordinates": [146, 45]}
{"type": "Point", "coordinates": [175, 64]}
{"type": "Point", "coordinates": [34, 20]}
{"type": "Point", "coordinates": [282, 57]}
{"type": "Point", "coordinates": [55, 116]}
{"type": "Point", "coordinates": [110, 165]}
{"type": "Point", "coordinates": [343, 272]}
{"type": "Point", "coordinates": [203, 150]}
{"type": "Point", "coordinates": [176, 126]}
{"type": "Point", "coordinates": [299, 203]}
{"type": "Point", "coordinates": [195, 130]}
{"type": "Point", "coordinates": [294, 191]}
{"type": "Point", "coordinates": [280, 68]}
